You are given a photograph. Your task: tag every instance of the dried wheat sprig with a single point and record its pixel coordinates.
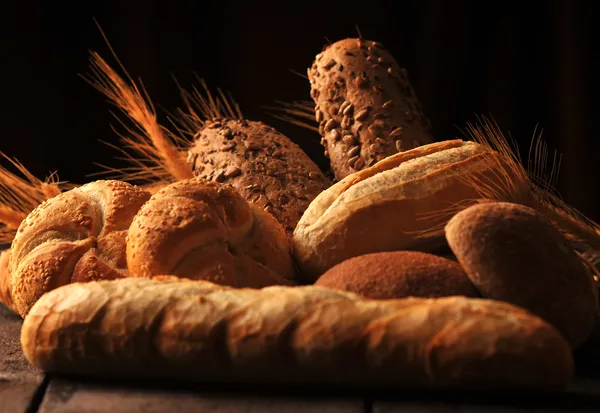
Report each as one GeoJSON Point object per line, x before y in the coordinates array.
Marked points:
{"type": "Point", "coordinates": [22, 192]}
{"type": "Point", "coordinates": [297, 113]}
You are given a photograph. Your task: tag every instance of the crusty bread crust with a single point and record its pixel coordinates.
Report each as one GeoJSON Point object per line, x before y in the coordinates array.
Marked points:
{"type": "Point", "coordinates": [513, 253]}
{"type": "Point", "coordinates": [203, 331]}
{"type": "Point", "coordinates": [366, 108]}
{"type": "Point", "coordinates": [78, 235]}
{"type": "Point", "coordinates": [205, 230]}
{"type": "Point", "coordinates": [399, 274]}
{"type": "Point", "coordinates": [386, 207]}
{"type": "Point", "coordinates": [5, 286]}
{"type": "Point", "coordinates": [266, 167]}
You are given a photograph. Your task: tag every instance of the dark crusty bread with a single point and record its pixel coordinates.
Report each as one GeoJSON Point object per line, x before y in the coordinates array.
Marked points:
{"type": "Point", "coordinates": [399, 274]}
{"type": "Point", "coordinates": [303, 335]}
{"type": "Point", "coordinates": [205, 230]}
{"type": "Point", "coordinates": [266, 167]}
{"type": "Point", "coordinates": [366, 108]}
{"type": "Point", "coordinates": [79, 235]}
{"type": "Point", "coordinates": [513, 253]}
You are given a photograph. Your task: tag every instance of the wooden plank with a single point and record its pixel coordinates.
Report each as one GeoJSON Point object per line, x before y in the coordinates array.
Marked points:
{"type": "Point", "coordinates": [582, 395]}
{"type": "Point", "coordinates": [70, 396]}
{"type": "Point", "coordinates": [19, 381]}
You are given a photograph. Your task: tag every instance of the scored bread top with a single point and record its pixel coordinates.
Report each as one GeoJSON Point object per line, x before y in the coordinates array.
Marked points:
{"type": "Point", "coordinates": [266, 167]}
{"type": "Point", "coordinates": [385, 207]}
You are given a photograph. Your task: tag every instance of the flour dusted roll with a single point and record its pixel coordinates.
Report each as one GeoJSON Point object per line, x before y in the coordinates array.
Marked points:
{"type": "Point", "coordinates": [79, 235]}
{"type": "Point", "coordinates": [205, 230]}
{"type": "Point", "coordinates": [301, 335]}
{"type": "Point", "coordinates": [388, 206]}
{"type": "Point", "coordinates": [366, 107]}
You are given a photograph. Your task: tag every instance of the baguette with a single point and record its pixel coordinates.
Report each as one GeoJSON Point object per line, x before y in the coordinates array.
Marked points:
{"type": "Point", "coordinates": [171, 327]}
{"type": "Point", "coordinates": [79, 235]}
{"type": "Point", "coordinates": [513, 253]}
{"type": "Point", "coordinates": [366, 108]}
{"type": "Point", "coordinates": [265, 167]}
{"type": "Point", "coordinates": [205, 230]}
{"type": "Point", "coordinates": [389, 206]}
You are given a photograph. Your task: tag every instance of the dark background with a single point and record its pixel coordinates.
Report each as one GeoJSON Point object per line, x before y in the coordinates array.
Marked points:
{"type": "Point", "coordinates": [525, 63]}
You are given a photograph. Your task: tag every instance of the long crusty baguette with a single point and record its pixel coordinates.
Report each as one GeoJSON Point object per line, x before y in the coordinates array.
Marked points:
{"type": "Point", "coordinates": [169, 327]}
{"type": "Point", "coordinates": [366, 108]}
{"type": "Point", "coordinates": [78, 235]}
{"type": "Point", "coordinates": [389, 206]}
{"type": "Point", "coordinates": [205, 230]}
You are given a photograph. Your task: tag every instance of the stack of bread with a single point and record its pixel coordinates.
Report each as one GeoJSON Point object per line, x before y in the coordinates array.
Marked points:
{"type": "Point", "coordinates": [405, 272]}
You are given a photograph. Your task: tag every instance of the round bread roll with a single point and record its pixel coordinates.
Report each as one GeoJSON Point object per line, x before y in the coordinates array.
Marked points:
{"type": "Point", "coordinates": [389, 206]}
{"type": "Point", "coordinates": [5, 288]}
{"type": "Point", "coordinates": [514, 254]}
{"type": "Point", "coordinates": [365, 105]}
{"type": "Point", "coordinates": [399, 274]}
{"type": "Point", "coordinates": [76, 236]}
{"type": "Point", "coordinates": [204, 230]}
{"type": "Point", "coordinates": [263, 165]}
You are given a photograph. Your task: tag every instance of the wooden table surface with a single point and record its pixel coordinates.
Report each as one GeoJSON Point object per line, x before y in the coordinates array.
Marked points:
{"type": "Point", "coordinates": [24, 389]}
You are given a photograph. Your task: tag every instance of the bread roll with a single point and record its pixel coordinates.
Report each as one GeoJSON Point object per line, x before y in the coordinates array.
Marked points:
{"type": "Point", "coordinates": [265, 167]}
{"type": "Point", "coordinates": [278, 335]}
{"type": "Point", "coordinates": [366, 108]}
{"type": "Point", "coordinates": [388, 206]}
{"type": "Point", "coordinates": [205, 230]}
{"type": "Point", "coordinates": [399, 274]}
{"type": "Point", "coordinates": [5, 286]}
{"type": "Point", "coordinates": [513, 253]}
{"type": "Point", "coordinates": [78, 235]}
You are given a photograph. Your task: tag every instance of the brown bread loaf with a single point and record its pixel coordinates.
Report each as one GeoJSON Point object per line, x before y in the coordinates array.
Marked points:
{"type": "Point", "coordinates": [205, 230]}
{"type": "Point", "coordinates": [5, 286]}
{"type": "Point", "coordinates": [266, 167]}
{"type": "Point", "coordinates": [399, 274]}
{"type": "Point", "coordinates": [199, 330]}
{"type": "Point", "coordinates": [79, 235]}
{"type": "Point", "coordinates": [365, 106]}
{"type": "Point", "coordinates": [513, 253]}
{"type": "Point", "coordinates": [388, 206]}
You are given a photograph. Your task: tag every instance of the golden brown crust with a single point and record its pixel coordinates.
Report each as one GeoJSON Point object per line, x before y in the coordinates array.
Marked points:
{"type": "Point", "coordinates": [513, 253]}
{"type": "Point", "coordinates": [198, 330]}
{"type": "Point", "coordinates": [399, 274]}
{"type": "Point", "coordinates": [388, 206]}
{"type": "Point", "coordinates": [5, 285]}
{"type": "Point", "coordinates": [75, 236]}
{"type": "Point", "coordinates": [265, 167]}
{"type": "Point", "coordinates": [205, 230]}
{"type": "Point", "coordinates": [366, 108]}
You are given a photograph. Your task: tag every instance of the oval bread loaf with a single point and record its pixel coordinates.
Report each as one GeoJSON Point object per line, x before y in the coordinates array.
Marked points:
{"type": "Point", "coordinates": [513, 253]}
{"type": "Point", "coordinates": [302, 335]}
{"type": "Point", "coordinates": [205, 230]}
{"type": "Point", "coordinates": [263, 165]}
{"type": "Point", "coordinates": [5, 283]}
{"type": "Point", "coordinates": [389, 206]}
{"type": "Point", "coordinates": [399, 274]}
{"type": "Point", "coordinates": [366, 107]}
{"type": "Point", "coordinates": [79, 235]}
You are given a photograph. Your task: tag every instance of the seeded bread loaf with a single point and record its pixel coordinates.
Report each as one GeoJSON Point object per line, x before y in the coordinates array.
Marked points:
{"type": "Point", "coordinates": [290, 335]}
{"type": "Point", "coordinates": [399, 274]}
{"type": "Point", "coordinates": [205, 230]}
{"type": "Point", "coordinates": [365, 106]}
{"type": "Point", "coordinates": [391, 205]}
{"type": "Point", "coordinates": [266, 167]}
{"type": "Point", "coordinates": [5, 286]}
{"type": "Point", "coordinates": [513, 253]}
{"type": "Point", "coordinates": [79, 235]}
